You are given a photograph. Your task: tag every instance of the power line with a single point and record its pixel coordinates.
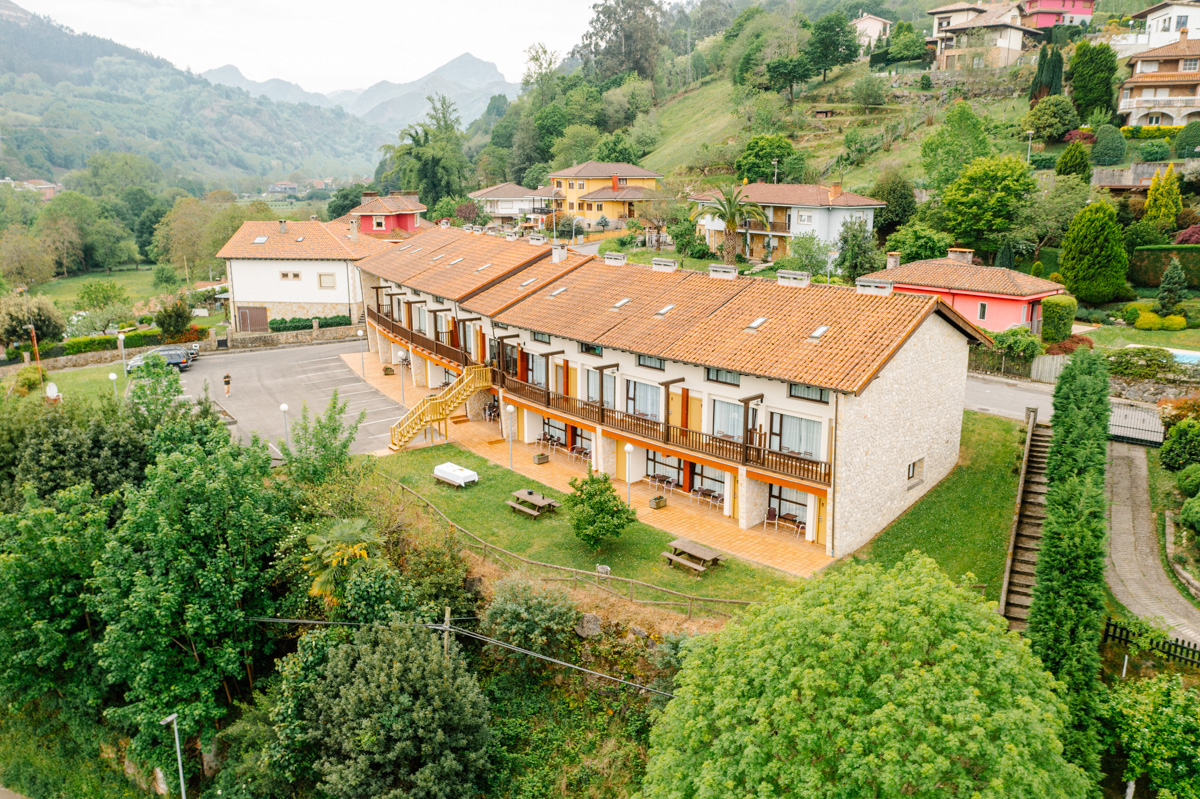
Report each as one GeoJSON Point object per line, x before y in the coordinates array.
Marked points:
{"type": "Point", "coordinates": [476, 636]}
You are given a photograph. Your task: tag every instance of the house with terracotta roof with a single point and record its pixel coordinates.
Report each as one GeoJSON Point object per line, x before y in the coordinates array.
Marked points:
{"type": "Point", "coordinates": [508, 202]}
{"type": "Point", "coordinates": [765, 400]}
{"type": "Point", "coordinates": [603, 189]}
{"type": "Point", "coordinates": [979, 35]}
{"type": "Point", "coordinates": [870, 29]}
{"type": "Point", "coordinates": [792, 209]}
{"type": "Point", "coordinates": [992, 298]}
{"type": "Point", "coordinates": [285, 269]}
{"type": "Point", "coordinates": [399, 212]}
{"type": "Point", "coordinates": [1164, 88]}
{"type": "Point", "coordinates": [1156, 26]}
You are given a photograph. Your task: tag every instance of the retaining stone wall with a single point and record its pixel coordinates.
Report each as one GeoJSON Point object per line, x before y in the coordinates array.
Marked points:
{"type": "Point", "coordinates": [245, 340]}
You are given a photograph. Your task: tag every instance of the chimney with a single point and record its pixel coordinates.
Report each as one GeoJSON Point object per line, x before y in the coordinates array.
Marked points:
{"type": "Point", "coordinates": [879, 288]}
{"type": "Point", "coordinates": [962, 255]}
{"type": "Point", "coordinates": [410, 194]}
{"type": "Point", "coordinates": [893, 260]}
{"type": "Point", "coordinates": [1183, 34]}
{"type": "Point", "coordinates": [558, 252]}
{"type": "Point", "coordinates": [835, 191]}
{"type": "Point", "coordinates": [615, 183]}
{"type": "Point", "coordinates": [614, 258]}
{"type": "Point", "coordinates": [722, 272]}
{"type": "Point", "coordinates": [369, 195]}
{"type": "Point", "coordinates": [283, 226]}
{"type": "Point", "coordinates": [663, 264]}
{"type": "Point", "coordinates": [787, 277]}
{"type": "Point", "coordinates": [512, 235]}
{"type": "Point", "coordinates": [312, 218]}
{"type": "Point", "coordinates": [354, 229]}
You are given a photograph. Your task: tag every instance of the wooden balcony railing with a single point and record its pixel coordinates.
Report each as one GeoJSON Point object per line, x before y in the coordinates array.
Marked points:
{"type": "Point", "coordinates": [439, 348]}
{"type": "Point", "coordinates": [726, 448]}
{"type": "Point", "coordinates": [774, 227]}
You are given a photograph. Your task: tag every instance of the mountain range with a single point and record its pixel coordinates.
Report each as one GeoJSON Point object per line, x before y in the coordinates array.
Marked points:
{"type": "Point", "coordinates": [469, 81]}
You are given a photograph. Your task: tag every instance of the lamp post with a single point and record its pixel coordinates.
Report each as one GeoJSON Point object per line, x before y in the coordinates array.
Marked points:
{"type": "Point", "coordinates": [113, 377]}
{"type": "Point", "coordinates": [574, 221]}
{"type": "Point", "coordinates": [775, 163]}
{"type": "Point", "coordinates": [512, 415]}
{"type": "Point", "coordinates": [173, 721]}
{"type": "Point", "coordinates": [1029, 148]}
{"type": "Point", "coordinates": [628, 475]}
{"type": "Point", "coordinates": [362, 359]}
{"type": "Point", "coordinates": [287, 439]}
{"type": "Point", "coordinates": [36, 356]}
{"type": "Point", "coordinates": [121, 347]}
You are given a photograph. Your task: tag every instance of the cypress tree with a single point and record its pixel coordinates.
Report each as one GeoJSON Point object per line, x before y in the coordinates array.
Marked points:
{"type": "Point", "coordinates": [1092, 71]}
{"type": "Point", "coordinates": [1054, 76]}
{"type": "Point", "coordinates": [1163, 202]}
{"type": "Point", "coordinates": [1094, 261]}
{"type": "Point", "coordinates": [1074, 161]}
{"type": "Point", "coordinates": [1039, 77]}
{"type": "Point", "coordinates": [1173, 289]}
{"type": "Point", "coordinates": [1110, 146]}
{"type": "Point", "coordinates": [1004, 258]}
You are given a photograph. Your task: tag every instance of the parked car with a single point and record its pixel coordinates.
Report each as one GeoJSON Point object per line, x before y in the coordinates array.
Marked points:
{"type": "Point", "coordinates": [174, 356]}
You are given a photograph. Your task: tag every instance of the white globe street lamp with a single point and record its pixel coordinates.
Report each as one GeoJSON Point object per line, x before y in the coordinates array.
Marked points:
{"type": "Point", "coordinates": [628, 475]}
{"type": "Point", "coordinates": [287, 439]}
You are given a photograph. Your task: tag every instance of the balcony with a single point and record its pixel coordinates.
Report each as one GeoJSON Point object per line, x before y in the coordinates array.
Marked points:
{"type": "Point", "coordinates": [1159, 102]}
{"type": "Point", "coordinates": [441, 349]}
{"type": "Point", "coordinates": [774, 227]}
{"type": "Point", "coordinates": [724, 447]}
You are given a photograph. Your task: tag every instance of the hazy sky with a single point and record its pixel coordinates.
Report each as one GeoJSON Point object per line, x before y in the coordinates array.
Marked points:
{"type": "Point", "coordinates": [325, 45]}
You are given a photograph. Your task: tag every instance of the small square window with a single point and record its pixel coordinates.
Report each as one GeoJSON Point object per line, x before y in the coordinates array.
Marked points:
{"type": "Point", "coordinates": [558, 184]}
{"type": "Point", "coordinates": [651, 363]}
{"type": "Point", "coordinates": [591, 349]}
{"type": "Point", "coordinates": [589, 206]}
{"type": "Point", "coordinates": [1191, 64]}
{"type": "Point", "coordinates": [916, 472]}
{"type": "Point", "coordinates": [722, 376]}
{"type": "Point", "coordinates": [570, 206]}
{"type": "Point", "coordinates": [379, 223]}
{"type": "Point", "coordinates": [982, 311]}
{"type": "Point", "coordinates": [289, 275]}
{"type": "Point", "coordinates": [622, 181]}
{"type": "Point", "coordinates": [327, 280]}
{"type": "Point", "coordinates": [570, 184]}
{"type": "Point", "coordinates": [542, 337]}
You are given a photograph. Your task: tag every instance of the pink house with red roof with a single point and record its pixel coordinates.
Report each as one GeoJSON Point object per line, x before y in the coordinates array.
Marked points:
{"type": "Point", "coordinates": [1048, 13]}
{"type": "Point", "coordinates": [380, 215]}
{"type": "Point", "coordinates": [993, 298]}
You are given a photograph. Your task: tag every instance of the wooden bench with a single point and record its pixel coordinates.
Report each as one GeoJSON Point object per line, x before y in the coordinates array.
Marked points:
{"type": "Point", "coordinates": [673, 559]}
{"type": "Point", "coordinates": [441, 479]}
{"type": "Point", "coordinates": [527, 511]}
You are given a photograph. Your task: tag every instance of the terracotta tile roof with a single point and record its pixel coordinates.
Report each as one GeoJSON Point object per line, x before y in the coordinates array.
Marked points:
{"type": "Point", "coordinates": [710, 321]}
{"type": "Point", "coordinates": [994, 16]}
{"type": "Point", "coordinates": [499, 297]}
{"type": "Point", "coordinates": [1145, 12]}
{"type": "Point", "coordinates": [948, 274]}
{"type": "Point", "coordinates": [1163, 77]}
{"type": "Point", "coordinates": [502, 191]}
{"type": "Point", "coordinates": [1187, 47]}
{"type": "Point", "coordinates": [804, 194]}
{"type": "Point", "coordinates": [447, 261]}
{"type": "Point", "coordinates": [957, 7]}
{"type": "Point", "coordinates": [604, 169]}
{"type": "Point", "coordinates": [392, 204]}
{"type": "Point", "coordinates": [627, 193]}
{"type": "Point", "coordinates": [305, 241]}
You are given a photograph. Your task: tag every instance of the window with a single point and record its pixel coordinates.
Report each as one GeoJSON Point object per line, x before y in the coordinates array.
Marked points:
{"type": "Point", "coordinates": [622, 181]}
{"type": "Point", "coordinates": [542, 337]}
{"type": "Point", "coordinates": [555, 428]}
{"type": "Point", "coordinates": [1149, 66]}
{"type": "Point", "coordinates": [327, 280]}
{"type": "Point", "coordinates": [916, 472]}
{"type": "Point", "coordinates": [708, 477]}
{"type": "Point", "coordinates": [804, 219]}
{"type": "Point", "coordinates": [795, 435]}
{"type": "Point", "coordinates": [943, 22]}
{"type": "Point", "coordinates": [669, 467]}
{"type": "Point", "coordinates": [379, 223]}
{"type": "Point", "coordinates": [260, 240]}
{"type": "Point", "coordinates": [593, 388]}
{"type": "Point", "coordinates": [788, 500]}
{"type": "Point", "coordinates": [1180, 22]}
{"type": "Point", "coordinates": [558, 184]}
{"type": "Point", "coordinates": [583, 437]}
{"type": "Point", "coordinates": [727, 419]}
{"type": "Point", "coordinates": [1154, 119]}
{"type": "Point", "coordinates": [506, 203]}
{"type": "Point", "coordinates": [536, 368]}
{"type": "Point", "coordinates": [289, 275]}
{"type": "Point", "coordinates": [570, 206]}
{"type": "Point", "coordinates": [1191, 64]}
{"type": "Point", "coordinates": [982, 311]}
{"type": "Point", "coordinates": [589, 206]}
{"type": "Point", "coordinates": [591, 349]}
{"type": "Point", "coordinates": [722, 376]}
{"type": "Point", "coordinates": [642, 399]}
{"type": "Point", "coordinates": [801, 391]}
{"type": "Point", "coordinates": [651, 363]}
{"type": "Point", "coordinates": [1166, 24]}
{"type": "Point", "coordinates": [570, 184]}
{"type": "Point", "coordinates": [1124, 94]}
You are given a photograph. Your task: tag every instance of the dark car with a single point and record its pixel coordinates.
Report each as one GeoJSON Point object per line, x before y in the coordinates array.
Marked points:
{"type": "Point", "coordinates": [173, 355]}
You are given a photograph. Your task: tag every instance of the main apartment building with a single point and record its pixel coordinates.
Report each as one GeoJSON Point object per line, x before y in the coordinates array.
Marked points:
{"type": "Point", "coordinates": [839, 406]}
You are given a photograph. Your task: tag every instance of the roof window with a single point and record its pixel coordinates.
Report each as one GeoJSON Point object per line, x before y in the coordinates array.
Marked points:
{"type": "Point", "coordinates": [820, 331]}
{"type": "Point", "coordinates": [558, 291]}
{"type": "Point", "coordinates": [261, 240]}
{"type": "Point", "coordinates": [437, 257]}
{"type": "Point", "coordinates": [666, 309]}
{"type": "Point", "coordinates": [299, 238]}
{"type": "Point", "coordinates": [456, 260]}
{"type": "Point", "coordinates": [621, 303]}
{"type": "Point", "coordinates": [757, 323]}
{"type": "Point", "coordinates": [528, 282]}
{"type": "Point", "coordinates": [485, 266]}
{"type": "Point", "coordinates": [405, 247]}
{"type": "Point", "coordinates": [417, 250]}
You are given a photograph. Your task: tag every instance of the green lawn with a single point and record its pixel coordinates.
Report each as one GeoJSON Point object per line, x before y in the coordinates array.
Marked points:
{"type": "Point", "coordinates": [480, 508]}
{"type": "Point", "coordinates": [702, 116]}
{"type": "Point", "coordinates": [964, 523]}
{"type": "Point", "coordinates": [87, 382]}
{"type": "Point", "coordinates": [63, 290]}
{"type": "Point", "coordinates": [645, 256]}
{"type": "Point", "coordinates": [1114, 336]}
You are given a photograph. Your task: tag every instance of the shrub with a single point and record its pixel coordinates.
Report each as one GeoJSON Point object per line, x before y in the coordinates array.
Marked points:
{"type": "Point", "coordinates": [76, 346]}
{"type": "Point", "coordinates": [306, 322]}
{"type": "Point", "coordinates": [1043, 160]}
{"type": "Point", "coordinates": [1174, 411]}
{"type": "Point", "coordinates": [926, 83]}
{"type": "Point", "coordinates": [1037, 269]}
{"type": "Point", "coordinates": [1174, 322]}
{"type": "Point", "coordinates": [1074, 161]}
{"type": "Point", "coordinates": [1081, 136]}
{"type": "Point", "coordinates": [1148, 320]}
{"type": "Point", "coordinates": [1189, 514]}
{"type": "Point", "coordinates": [1150, 131]}
{"type": "Point", "coordinates": [20, 310]}
{"type": "Point", "coordinates": [437, 574]}
{"type": "Point", "coordinates": [1058, 312]}
{"type": "Point", "coordinates": [1110, 146]}
{"type": "Point", "coordinates": [1069, 344]}
{"type": "Point", "coordinates": [165, 277]}
{"type": "Point", "coordinates": [1018, 342]}
{"type": "Point", "coordinates": [1055, 277]}
{"type": "Point", "coordinates": [1189, 235]}
{"type": "Point", "coordinates": [1051, 118]}
{"type": "Point", "coordinates": [1093, 260]}
{"type": "Point", "coordinates": [30, 378]}
{"type": "Point", "coordinates": [1188, 481]}
{"type": "Point", "coordinates": [1141, 363]}
{"type": "Point", "coordinates": [146, 319]}
{"type": "Point", "coordinates": [1155, 150]}
{"type": "Point", "coordinates": [597, 513]}
{"type": "Point", "coordinates": [193, 333]}
{"type": "Point", "coordinates": [1188, 140]}
{"type": "Point", "coordinates": [531, 617]}
{"type": "Point", "coordinates": [1182, 446]}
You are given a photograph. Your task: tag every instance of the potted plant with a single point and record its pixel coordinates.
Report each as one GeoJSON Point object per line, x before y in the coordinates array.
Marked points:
{"type": "Point", "coordinates": [658, 502]}
{"type": "Point", "coordinates": [541, 457]}
{"type": "Point", "coordinates": [388, 370]}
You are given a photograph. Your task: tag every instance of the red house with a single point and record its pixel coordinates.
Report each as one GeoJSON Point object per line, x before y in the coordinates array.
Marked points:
{"type": "Point", "coordinates": [995, 299]}
{"type": "Point", "coordinates": [400, 210]}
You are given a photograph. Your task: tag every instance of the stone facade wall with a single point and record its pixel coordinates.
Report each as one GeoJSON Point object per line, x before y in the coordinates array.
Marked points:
{"type": "Point", "coordinates": [912, 411]}
{"type": "Point", "coordinates": [753, 498]}
{"type": "Point", "coordinates": [290, 310]}
{"type": "Point", "coordinates": [243, 340]}
{"type": "Point", "coordinates": [1149, 390]}
{"type": "Point", "coordinates": [476, 403]}
{"type": "Point", "coordinates": [604, 453]}
{"type": "Point", "coordinates": [420, 371]}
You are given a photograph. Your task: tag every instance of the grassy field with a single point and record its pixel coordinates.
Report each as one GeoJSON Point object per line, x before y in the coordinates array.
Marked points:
{"type": "Point", "coordinates": [646, 256]}
{"type": "Point", "coordinates": [549, 539]}
{"type": "Point", "coordinates": [964, 522]}
{"type": "Point", "coordinates": [1113, 336]}
{"type": "Point", "coordinates": [64, 290]}
{"type": "Point", "coordinates": [701, 116]}
{"type": "Point", "coordinates": [88, 381]}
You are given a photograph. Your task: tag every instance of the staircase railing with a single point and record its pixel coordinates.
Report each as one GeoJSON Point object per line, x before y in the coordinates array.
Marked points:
{"type": "Point", "coordinates": [1031, 415]}
{"type": "Point", "coordinates": [439, 407]}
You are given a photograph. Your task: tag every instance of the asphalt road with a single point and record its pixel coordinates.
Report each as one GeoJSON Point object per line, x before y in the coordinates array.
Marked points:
{"type": "Point", "coordinates": [1008, 397]}
{"type": "Point", "coordinates": [262, 380]}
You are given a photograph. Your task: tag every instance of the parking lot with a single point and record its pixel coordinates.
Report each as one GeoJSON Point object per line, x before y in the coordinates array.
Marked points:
{"type": "Point", "coordinates": [262, 380]}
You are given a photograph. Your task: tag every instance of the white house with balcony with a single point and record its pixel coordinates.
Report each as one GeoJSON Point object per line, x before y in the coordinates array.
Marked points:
{"type": "Point", "coordinates": [980, 35]}
{"type": "Point", "coordinates": [1160, 26]}
{"type": "Point", "coordinates": [792, 209]}
{"type": "Point", "coordinates": [1164, 88]}
{"type": "Point", "coordinates": [508, 202]}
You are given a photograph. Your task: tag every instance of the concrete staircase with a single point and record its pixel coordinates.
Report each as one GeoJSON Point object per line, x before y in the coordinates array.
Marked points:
{"type": "Point", "coordinates": [1017, 593]}
{"type": "Point", "coordinates": [433, 410]}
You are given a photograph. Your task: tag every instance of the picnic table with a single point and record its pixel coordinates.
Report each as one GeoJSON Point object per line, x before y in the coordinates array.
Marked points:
{"type": "Point", "coordinates": [694, 556]}
{"type": "Point", "coordinates": [531, 503]}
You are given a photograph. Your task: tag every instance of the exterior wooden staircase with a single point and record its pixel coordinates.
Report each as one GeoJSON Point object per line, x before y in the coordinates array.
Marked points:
{"type": "Point", "coordinates": [1016, 593]}
{"type": "Point", "coordinates": [432, 410]}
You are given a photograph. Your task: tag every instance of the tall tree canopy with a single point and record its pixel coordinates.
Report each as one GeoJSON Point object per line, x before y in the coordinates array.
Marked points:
{"type": "Point", "coordinates": [1093, 261]}
{"type": "Point", "coordinates": [834, 42]}
{"type": "Point", "coordinates": [623, 36]}
{"type": "Point", "coordinates": [430, 156]}
{"type": "Point", "coordinates": [959, 141]}
{"type": "Point", "coordinates": [987, 200]}
{"type": "Point", "coordinates": [1093, 67]}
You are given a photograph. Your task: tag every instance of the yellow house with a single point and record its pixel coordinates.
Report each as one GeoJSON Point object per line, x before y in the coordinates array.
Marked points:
{"type": "Point", "coordinates": [594, 189]}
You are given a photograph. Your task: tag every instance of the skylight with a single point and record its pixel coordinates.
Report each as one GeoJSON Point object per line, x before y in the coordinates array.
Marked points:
{"type": "Point", "coordinates": [437, 257]}
{"type": "Point", "coordinates": [621, 303]}
{"type": "Point", "coordinates": [299, 238]}
{"type": "Point", "coordinates": [405, 247]}
{"type": "Point", "coordinates": [558, 291]}
{"type": "Point", "coordinates": [456, 260]}
{"type": "Point", "coordinates": [261, 240]}
{"type": "Point", "coordinates": [757, 323]}
{"type": "Point", "coordinates": [485, 266]}
{"type": "Point", "coordinates": [666, 309]}
{"type": "Point", "coordinates": [417, 250]}
{"type": "Point", "coordinates": [820, 331]}
{"type": "Point", "coordinates": [529, 281]}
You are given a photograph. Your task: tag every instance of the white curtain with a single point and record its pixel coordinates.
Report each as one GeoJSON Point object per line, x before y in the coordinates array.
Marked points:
{"type": "Point", "coordinates": [799, 435]}
{"type": "Point", "coordinates": [789, 500]}
{"type": "Point", "coordinates": [646, 399]}
{"type": "Point", "coordinates": [593, 387]}
{"type": "Point", "coordinates": [537, 370]}
{"type": "Point", "coordinates": [727, 419]}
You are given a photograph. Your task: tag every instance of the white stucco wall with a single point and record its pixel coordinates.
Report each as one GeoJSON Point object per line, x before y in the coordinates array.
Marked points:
{"type": "Point", "coordinates": [911, 411]}
{"type": "Point", "coordinates": [259, 282]}
{"type": "Point", "coordinates": [826, 222]}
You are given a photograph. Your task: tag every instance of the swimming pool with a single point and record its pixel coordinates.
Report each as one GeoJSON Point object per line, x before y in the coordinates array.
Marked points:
{"type": "Point", "coordinates": [1190, 358]}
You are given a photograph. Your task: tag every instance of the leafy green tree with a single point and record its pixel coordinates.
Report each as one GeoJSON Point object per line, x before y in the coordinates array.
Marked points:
{"type": "Point", "coordinates": [732, 210]}
{"type": "Point", "coordinates": [1143, 233]}
{"type": "Point", "coordinates": [1157, 722]}
{"type": "Point", "coordinates": [1018, 342]}
{"type": "Point", "coordinates": [906, 45]}
{"type": "Point", "coordinates": [24, 261]}
{"type": "Point", "coordinates": [918, 677]}
{"type": "Point", "coordinates": [531, 617]}
{"type": "Point", "coordinates": [574, 146]}
{"type": "Point", "coordinates": [761, 158]}
{"type": "Point", "coordinates": [1163, 202]}
{"type": "Point", "coordinates": [336, 554]}
{"type": "Point", "coordinates": [834, 42]}
{"type": "Point", "coordinates": [869, 91]}
{"type": "Point", "coordinates": [1093, 67]}
{"type": "Point", "coordinates": [1093, 262]}
{"type": "Point", "coordinates": [429, 740]}
{"type": "Point", "coordinates": [1051, 118]}
{"type": "Point", "coordinates": [583, 104]}
{"type": "Point", "coordinates": [615, 148]}
{"type": "Point", "coordinates": [1173, 288]}
{"type": "Point", "coordinates": [1074, 161]}
{"type": "Point", "coordinates": [597, 513]}
{"type": "Point", "coordinates": [897, 191]}
{"type": "Point", "coordinates": [986, 200]}
{"type": "Point", "coordinates": [959, 140]}
{"type": "Point", "coordinates": [1004, 258]}
{"type": "Point", "coordinates": [80, 235]}
{"type": "Point", "coordinates": [550, 121]}
{"type": "Point", "coordinates": [345, 200]}
{"type": "Point", "coordinates": [622, 36]}
{"type": "Point", "coordinates": [806, 252]}
{"type": "Point", "coordinates": [46, 632]}
{"type": "Point", "coordinates": [174, 317]}
{"type": "Point", "coordinates": [319, 448]}
{"type": "Point", "coordinates": [430, 156]}
{"type": "Point", "coordinates": [786, 71]}
{"type": "Point", "coordinates": [536, 175]}
{"type": "Point", "coordinates": [95, 294]}
{"type": "Point", "coordinates": [1187, 141]}
{"type": "Point", "coordinates": [110, 174]}
{"type": "Point", "coordinates": [857, 253]}
{"type": "Point", "coordinates": [917, 241]}
{"type": "Point", "coordinates": [1052, 210]}
{"type": "Point", "coordinates": [16, 312]}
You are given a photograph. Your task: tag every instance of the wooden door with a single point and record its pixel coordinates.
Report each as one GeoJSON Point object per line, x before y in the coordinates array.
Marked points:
{"type": "Point", "coordinates": [620, 460]}
{"type": "Point", "coordinates": [252, 320]}
{"type": "Point", "coordinates": [674, 408]}
{"type": "Point", "coordinates": [695, 412]}
{"type": "Point", "coordinates": [820, 521]}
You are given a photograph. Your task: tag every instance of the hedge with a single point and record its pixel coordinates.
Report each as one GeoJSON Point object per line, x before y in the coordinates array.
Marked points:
{"type": "Point", "coordinates": [305, 323]}
{"type": "Point", "coordinates": [1058, 312]}
{"type": "Point", "coordinates": [1150, 131]}
{"type": "Point", "coordinates": [1149, 263]}
{"type": "Point", "coordinates": [1043, 160]}
{"type": "Point", "coordinates": [139, 338]}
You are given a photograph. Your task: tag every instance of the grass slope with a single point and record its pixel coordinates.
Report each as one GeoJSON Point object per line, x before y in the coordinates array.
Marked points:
{"type": "Point", "coordinates": [1113, 336]}
{"type": "Point", "coordinates": [63, 291]}
{"type": "Point", "coordinates": [701, 116]}
{"type": "Point", "coordinates": [964, 522]}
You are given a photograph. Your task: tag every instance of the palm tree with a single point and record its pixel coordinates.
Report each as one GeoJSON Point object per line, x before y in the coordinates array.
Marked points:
{"type": "Point", "coordinates": [335, 555]}
{"type": "Point", "coordinates": [733, 210]}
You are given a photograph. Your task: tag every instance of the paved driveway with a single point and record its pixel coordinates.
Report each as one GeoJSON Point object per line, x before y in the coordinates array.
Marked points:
{"type": "Point", "coordinates": [264, 379]}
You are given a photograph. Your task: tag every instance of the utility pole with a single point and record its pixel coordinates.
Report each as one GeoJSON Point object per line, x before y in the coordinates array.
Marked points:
{"type": "Point", "coordinates": [446, 636]}
{"type": "Point", "coordinates": [688, 48]}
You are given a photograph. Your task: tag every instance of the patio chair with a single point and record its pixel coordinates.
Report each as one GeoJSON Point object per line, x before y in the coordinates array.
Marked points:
{"type": "Point", "coordinates": [772, 518]}
{"type": "Point", "coordinates": [717, 501]}
{"type": "Point", "coordinates": [801, 529]}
